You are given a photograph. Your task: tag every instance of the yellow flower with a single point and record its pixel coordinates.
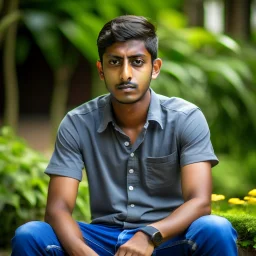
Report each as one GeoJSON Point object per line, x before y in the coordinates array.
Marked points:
{"type": "Point", "coordinates": [247, 198]}
{"type": "Point", "coordinates": [252, 192]}
{"type": "Point", "coordinates": [252, 200]}
{"type": "Point", "coordinates": [236, 201]}
{"type": "Point", "coordinates": [216, 197]}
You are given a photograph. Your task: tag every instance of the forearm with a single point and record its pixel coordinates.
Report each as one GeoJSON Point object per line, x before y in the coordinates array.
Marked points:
{"type": "Point", "coordinates": [68, 233]}
{"type": "Point", "coordinates": [179, 220]}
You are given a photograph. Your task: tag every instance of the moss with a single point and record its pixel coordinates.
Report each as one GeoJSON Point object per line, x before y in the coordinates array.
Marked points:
{"type": "Point", "coordinates": [245, 225]}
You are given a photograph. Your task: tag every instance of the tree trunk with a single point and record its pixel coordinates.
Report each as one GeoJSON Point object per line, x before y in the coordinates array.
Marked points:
{"type": "Point", "coordinates": [237, 18]}
{"type": "Point", "coordinates": [11, 108]}
{"type": "Point", "coordinates": [62, 77]}
{"type": "Point", "coordinates": [194, 10]}
{"type": "Point", "coordinates": [6, 21]}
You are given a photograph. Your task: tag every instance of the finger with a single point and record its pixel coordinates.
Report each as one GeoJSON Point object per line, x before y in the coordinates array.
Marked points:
{"type": "Point", "coordinates": [120, 252]}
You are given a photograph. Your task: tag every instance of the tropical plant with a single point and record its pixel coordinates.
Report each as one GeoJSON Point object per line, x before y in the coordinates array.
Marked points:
{"type": "Point", "coordinates": [8, 32]}
{"type": "Point", "coordinates": [213, 72]}
{"type": "Point", "coordinates": [23, 188]}
{"type": "Point", "coordinates": [23, 185]}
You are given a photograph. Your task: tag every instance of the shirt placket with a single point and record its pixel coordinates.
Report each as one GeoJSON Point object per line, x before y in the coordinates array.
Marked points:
{"type": "Point", "coordinates": [133, 181]}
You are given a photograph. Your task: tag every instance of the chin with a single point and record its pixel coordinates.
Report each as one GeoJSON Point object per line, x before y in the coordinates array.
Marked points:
{"type": "Point", "coordinates": [127, 101]}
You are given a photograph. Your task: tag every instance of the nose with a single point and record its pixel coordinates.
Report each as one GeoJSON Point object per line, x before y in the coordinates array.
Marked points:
{"type": "Point", "coordinates": [126, 72]}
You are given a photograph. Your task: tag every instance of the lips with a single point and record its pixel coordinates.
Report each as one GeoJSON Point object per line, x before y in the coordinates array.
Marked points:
{"type": "Point", "coordinates": [126, 86]}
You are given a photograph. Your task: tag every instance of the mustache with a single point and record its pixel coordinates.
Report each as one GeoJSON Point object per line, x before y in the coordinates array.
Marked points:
{"type": "Point", "coordinates": [126, 84]}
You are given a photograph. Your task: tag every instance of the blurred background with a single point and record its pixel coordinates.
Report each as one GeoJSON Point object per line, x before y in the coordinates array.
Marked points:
{"type": "Point", "coordinates": [47, 66]}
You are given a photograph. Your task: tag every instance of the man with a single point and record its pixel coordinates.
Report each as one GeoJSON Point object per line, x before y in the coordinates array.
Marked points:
{"type": "Point", "coordinates": [148, 160]}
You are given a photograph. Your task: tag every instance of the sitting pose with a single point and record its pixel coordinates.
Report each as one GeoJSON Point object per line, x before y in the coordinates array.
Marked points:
{"type": "Point", "coordinates": [148, 161]}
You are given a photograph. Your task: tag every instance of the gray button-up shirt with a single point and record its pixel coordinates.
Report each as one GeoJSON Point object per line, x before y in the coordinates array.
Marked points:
{"type": "Point", "coordinates": [132, 184]}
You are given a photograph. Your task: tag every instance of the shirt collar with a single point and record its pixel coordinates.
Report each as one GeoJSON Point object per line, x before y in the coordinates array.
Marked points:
{"type": "Point", "coordinates": [106, 116]}
{"type": "Point", "coordinates": [154, 112]}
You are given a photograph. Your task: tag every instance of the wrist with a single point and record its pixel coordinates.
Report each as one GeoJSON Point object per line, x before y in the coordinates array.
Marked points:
{"type": "Point", "coordinates": [153, 234]}
{"type": "Point", "coordinates": [80, 248]}
{"type": "Point", "coordinates": [145, 237]}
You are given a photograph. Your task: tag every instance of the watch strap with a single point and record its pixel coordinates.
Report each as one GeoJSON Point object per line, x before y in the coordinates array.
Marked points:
{"type": "Point", "coordinates": [153, 233]}
{"type": "Point", "coordinates": [149, 230]}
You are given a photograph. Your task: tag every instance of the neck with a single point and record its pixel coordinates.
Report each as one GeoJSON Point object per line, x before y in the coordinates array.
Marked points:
{"type": "Point", "coordinates": [132, 116]}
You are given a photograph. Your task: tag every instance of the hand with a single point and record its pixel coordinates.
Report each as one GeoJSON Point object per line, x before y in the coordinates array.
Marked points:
{"type": "Point", "coordinates": [138, 245]}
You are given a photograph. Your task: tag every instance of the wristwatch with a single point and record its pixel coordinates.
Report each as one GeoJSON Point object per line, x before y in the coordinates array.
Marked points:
{"type": "Point", "coordinates": [153, 233]}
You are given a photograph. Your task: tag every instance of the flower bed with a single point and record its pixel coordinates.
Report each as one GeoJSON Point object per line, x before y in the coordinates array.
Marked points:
{"type": "Point", "coordinates": [242, 214]}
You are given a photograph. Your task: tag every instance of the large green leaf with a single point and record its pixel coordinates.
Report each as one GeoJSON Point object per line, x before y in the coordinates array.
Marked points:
{"type": "Point", "coordinates": [177, 71]}
{"type": "Point", "coordinates": [229, 43]}
{"type": "Point", "coordinates": [81, 39]}
{"type": "Point", "coordinates": [43, 27]}
{"type": "Point", "coordinates": [10, 199]}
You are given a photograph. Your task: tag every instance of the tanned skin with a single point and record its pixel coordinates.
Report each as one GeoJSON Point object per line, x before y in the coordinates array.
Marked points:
{"type": "Point", "coordinates": [127, 70]}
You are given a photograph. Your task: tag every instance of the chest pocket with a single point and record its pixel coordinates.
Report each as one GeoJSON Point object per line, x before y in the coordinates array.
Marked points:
{"type": "Point", "coordinates": [162, 172]}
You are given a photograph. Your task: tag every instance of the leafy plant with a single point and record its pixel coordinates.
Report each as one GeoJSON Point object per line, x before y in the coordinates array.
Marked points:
{"type": "Point", "coordinates": [242, 214]}
{"type": "Point", "coordinates": [23, 186]}
{"type": "Point", "coordinates": [82, 210]}
{"type": "Point", "coordinates": [213, 71]}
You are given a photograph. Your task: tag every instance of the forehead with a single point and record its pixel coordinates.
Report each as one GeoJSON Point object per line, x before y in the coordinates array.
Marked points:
{"type": "Point", "coordinates": [127, 48]}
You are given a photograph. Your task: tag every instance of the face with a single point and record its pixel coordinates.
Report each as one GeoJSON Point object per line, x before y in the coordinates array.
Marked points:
{"type": "Point", "coordinates": [127, 70]}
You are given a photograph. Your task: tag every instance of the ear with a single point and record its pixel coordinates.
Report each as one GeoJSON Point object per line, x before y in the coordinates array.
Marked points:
{"type": "Point", "coordinates": [156, 68]}
{"type": "Point", "coordinates": [100, 70]}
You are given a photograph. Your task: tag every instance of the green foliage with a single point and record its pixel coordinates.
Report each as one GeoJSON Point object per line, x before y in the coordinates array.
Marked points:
{"type": "Point", "coordinates": [234, 177]}
{"type": "Point", "coordinates": [245, 225]}
{"type": "Point", "coordinates": [216, 73]}
{"type": "Point", "coordinates": [82, 209]}
{"type": "Point", "coordinates": [211, 70]}
{"type": "Point", "coordinates": [23, 185]}
{"type": "Point", "coordinates": [7, 20]}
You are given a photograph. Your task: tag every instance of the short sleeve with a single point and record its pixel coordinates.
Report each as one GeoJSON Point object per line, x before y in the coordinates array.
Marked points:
{"type": "Point", "coordinates": [194, 137]}
{"type": "Point", "coordinates": [67, 158]}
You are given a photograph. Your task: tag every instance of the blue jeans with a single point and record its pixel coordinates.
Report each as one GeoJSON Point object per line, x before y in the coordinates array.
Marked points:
{"type": "Point", "coordinates": [209, 235]}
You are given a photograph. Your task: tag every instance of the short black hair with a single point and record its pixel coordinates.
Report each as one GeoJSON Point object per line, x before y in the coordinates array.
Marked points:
{"type": "Point", "coordinates": [128, 27]}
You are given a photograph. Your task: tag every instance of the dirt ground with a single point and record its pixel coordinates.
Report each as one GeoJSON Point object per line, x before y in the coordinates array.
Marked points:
{"type": "Point", "coordinates": [36, 131]}
{"type": "Point", "coordinates": [4, 253]}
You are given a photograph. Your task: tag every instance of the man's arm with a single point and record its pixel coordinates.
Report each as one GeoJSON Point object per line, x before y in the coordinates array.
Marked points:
{"type": "Point", "coordinates": [196, 182]}
{"type": "Point", "coordinates": [61, 200]}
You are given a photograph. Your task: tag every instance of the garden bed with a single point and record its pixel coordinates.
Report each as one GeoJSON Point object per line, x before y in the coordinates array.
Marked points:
{"type": "Point", "coordinates": [246, 252]}
{"type": "Point", "coordinates": [245, 225]}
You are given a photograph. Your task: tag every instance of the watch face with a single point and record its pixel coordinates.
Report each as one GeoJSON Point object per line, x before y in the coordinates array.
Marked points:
{"type": "Point", "coordinates": [157, 238]}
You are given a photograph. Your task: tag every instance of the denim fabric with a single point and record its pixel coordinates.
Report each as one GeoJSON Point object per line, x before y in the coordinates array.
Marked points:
{"type": "Point", "coordinates": [209, 235]}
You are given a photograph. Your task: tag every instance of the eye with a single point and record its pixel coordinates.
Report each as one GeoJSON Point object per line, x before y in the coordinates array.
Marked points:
{"type": "Point", "coordinates": [138, 62]}
{"type": "Point", "coordinates": [114, 62]}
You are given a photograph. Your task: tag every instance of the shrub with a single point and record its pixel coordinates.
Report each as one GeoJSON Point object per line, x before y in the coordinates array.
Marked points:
{"type": "Point", "coordinates": [23, 186]}
{"type": "Point", "coordinates": [245, 225]}
{"type": "Point", "coordinates": [242, 214]}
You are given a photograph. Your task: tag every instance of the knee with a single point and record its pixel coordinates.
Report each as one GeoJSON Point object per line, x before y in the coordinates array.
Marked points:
{"type": "Point", "coordinates": [216, 226]}
{"type": "Point", "coordinates": [27, 232]}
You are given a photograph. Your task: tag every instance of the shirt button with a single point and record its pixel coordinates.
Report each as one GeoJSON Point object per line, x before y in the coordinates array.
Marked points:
{"type": "Point", "coordinates": [132, 154]}
{"type": "Point", "coordinates": [126, 143]}
{"type": "Point", "coordinates": [132, 205]}
{"type": "Point", "coordinates": [130, 187]}
{"type": "Point", "coordinates": [131, 171]}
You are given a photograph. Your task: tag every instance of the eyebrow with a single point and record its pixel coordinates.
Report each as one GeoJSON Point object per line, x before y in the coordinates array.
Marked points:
{"type": "Point", "coordinates": [130, 57]}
